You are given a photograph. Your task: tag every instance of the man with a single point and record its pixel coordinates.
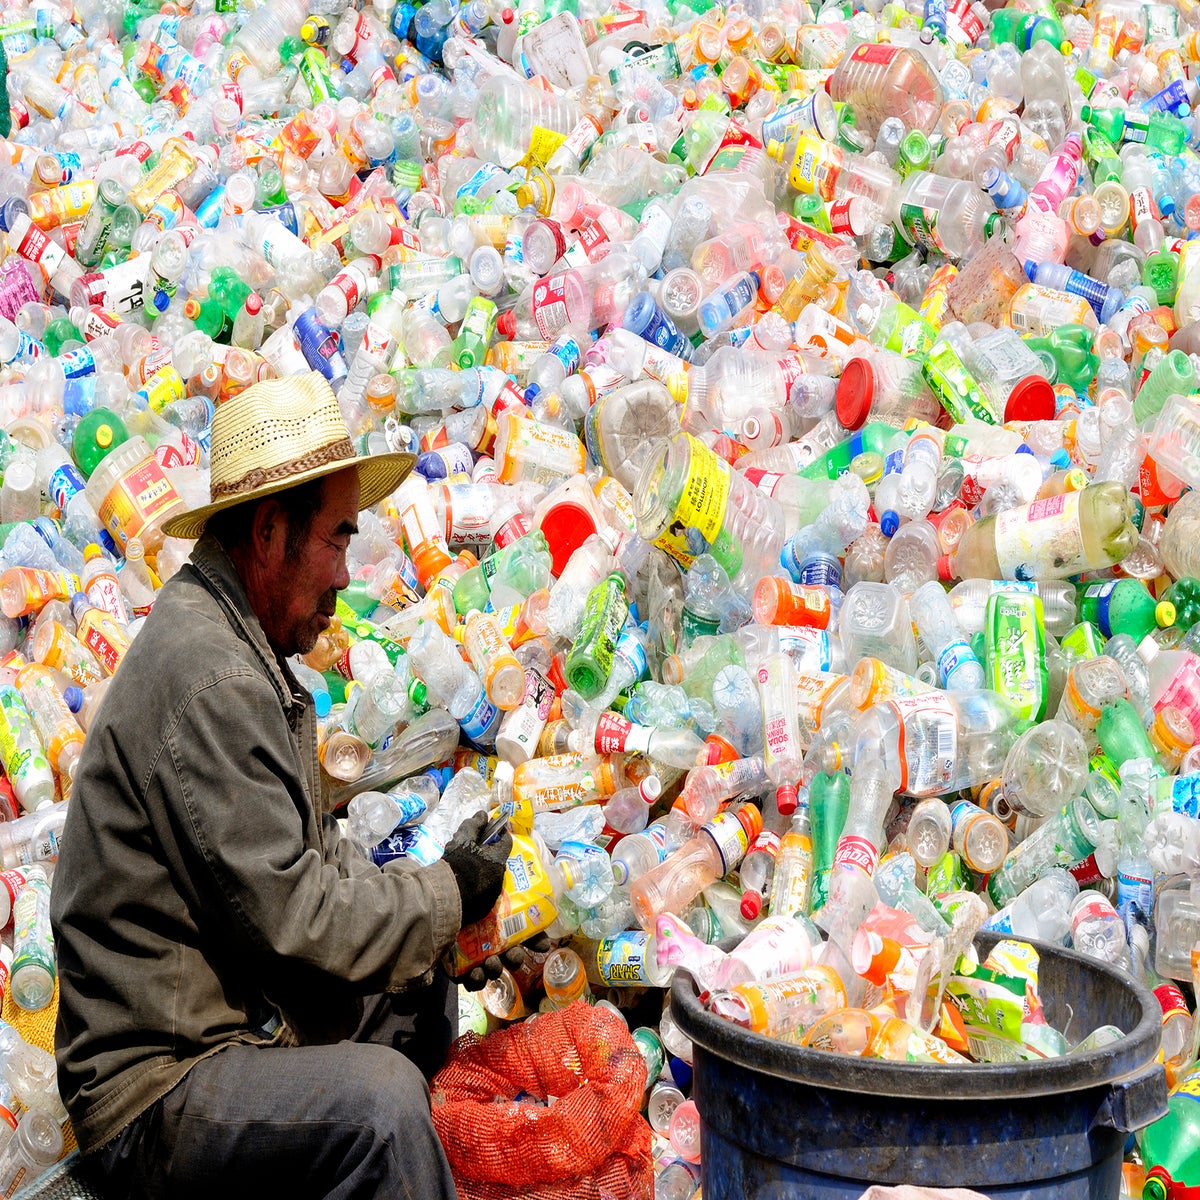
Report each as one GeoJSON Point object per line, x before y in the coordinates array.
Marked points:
{"type": "Point", "coordinates": [217, 939]}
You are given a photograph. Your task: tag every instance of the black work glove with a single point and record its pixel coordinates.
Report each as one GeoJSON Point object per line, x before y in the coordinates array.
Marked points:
{"type": "Point", "coordinates": [478, 870]}
{"type": "Point", "coordinates": [513, 958]}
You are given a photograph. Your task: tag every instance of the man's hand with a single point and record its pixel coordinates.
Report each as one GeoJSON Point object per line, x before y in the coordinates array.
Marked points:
{"type": "Point", "coordinates": [478, 869]}
{"type": "Point", "coordinates": [513, 959]}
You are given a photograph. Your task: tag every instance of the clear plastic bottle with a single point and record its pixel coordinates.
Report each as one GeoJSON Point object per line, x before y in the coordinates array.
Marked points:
{"type": "Point", "coordinates": [34, 1147]}
{"type": "Point", "coordinates": [712, 853]}
{"type": "Point", "coordinates": [1052, 538]}
{"type": "Point", "coordinates": [938, 742]}
{"type": "Point", "coordinates": [34, 968]}
{"type": "Point", "coordinates": [436, 661]}
{"type": "Point", "coordinates": [882, 81]}
{"type": "Point", "coordinates": [957, 667]}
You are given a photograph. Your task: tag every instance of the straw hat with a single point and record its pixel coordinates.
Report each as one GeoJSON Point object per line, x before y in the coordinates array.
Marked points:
{"type": "Point", "coordinates": [277, 434]}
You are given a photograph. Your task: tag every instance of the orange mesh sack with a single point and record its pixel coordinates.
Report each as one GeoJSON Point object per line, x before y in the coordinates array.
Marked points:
{"type": "Point", "coordinates": [547, 1110]}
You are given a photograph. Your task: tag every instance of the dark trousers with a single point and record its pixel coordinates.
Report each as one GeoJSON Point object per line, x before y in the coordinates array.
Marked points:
{"type": "Point", "coordinates": [347, 1121]}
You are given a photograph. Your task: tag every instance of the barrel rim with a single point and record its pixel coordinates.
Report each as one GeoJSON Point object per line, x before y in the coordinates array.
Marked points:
{"type": "Point", "coordinates": [979, 1081]}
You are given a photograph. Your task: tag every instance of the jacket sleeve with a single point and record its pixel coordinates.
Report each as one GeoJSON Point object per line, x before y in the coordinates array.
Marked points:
{"type": "Point", "coordinates": [234, 790]}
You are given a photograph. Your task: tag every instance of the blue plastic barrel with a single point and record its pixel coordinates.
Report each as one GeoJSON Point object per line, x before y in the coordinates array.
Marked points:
{"type": "Point", "coordinates": [780, 1122]}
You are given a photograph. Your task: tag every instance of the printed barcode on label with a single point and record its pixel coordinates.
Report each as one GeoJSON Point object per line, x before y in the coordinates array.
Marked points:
{"type": "Point", "coordinates": [511, 926]}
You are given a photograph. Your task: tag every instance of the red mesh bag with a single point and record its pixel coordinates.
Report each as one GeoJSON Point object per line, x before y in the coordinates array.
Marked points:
{"type": "Point", "coordinates": [575, 1134]}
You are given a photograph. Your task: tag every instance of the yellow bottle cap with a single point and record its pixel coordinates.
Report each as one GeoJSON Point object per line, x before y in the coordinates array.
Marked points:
{"type": "Point", "coordinates": [104, 435]}
{"type": "Point", "coordinates": [1164, 614]}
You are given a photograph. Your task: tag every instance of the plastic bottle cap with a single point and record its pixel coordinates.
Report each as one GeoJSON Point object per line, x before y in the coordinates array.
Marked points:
{"type": "Point", "coordinates": [889, 523]}
{"type": "Point", "coordinates": [1164, 613]}
{"type": "Point", "coordinates": [751, 905]}
{"type": "Point", "coordinates": [506, 323]}
{"type": "Point", "coordinates": [1031, 400]}
{"type": "Point", "coordinates": [104, 435]}
{"type": "Point", "coordinates": [254, 304]}
{"type": "Point", "coordinates": [719, 750]}
{"type": "Point", "coordinates": [786, 799]}
{"type": "Point", "coordinates": [418, 693]}
{"type": "Point", "coordinates": [855, 393]}
{"type": "Point", "coordinates": [566, 526]}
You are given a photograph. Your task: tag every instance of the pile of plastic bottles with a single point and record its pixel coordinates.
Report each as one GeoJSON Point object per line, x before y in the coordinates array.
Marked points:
{"type": "Point", "coordinates": [800, 539]}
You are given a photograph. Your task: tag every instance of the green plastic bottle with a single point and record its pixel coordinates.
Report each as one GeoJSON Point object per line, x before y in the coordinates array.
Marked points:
{"type": "Point", "coordinates": [1122, 735]}
{"type": "Point", "coordinates": [589, 660]}
{"type": "Point", "coordinates": [829, 802]}
{"type": "Point", "coordinates": [100, 432]}
{"type": "Point", "coordinates": [1171, 1146]}
{"type": "Point", "coordinates": [1069, 351]}
{"type": "Point", "coordinates": [1174, 375]}
{"type": "Point", "coordinates": [1022, 29]}
{"type": "Point", "coordinates": [228, 291]}
{"type": "Point", "coordinates": [1184, 594]}
{"type": "Point", "coordinates": [1123, 606]}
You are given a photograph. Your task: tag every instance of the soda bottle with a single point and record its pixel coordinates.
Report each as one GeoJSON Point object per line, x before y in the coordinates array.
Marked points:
{"type": "Point", "coordinates": [1170, 1147]}
{"type": "Point", "coordinates": [99, 432]}
{"type": "Point", "coordinates": [1124, 606]}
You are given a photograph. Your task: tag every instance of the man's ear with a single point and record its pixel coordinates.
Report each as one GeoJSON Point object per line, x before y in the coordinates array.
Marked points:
{"type": "Point", "coordinates": [269, 526]}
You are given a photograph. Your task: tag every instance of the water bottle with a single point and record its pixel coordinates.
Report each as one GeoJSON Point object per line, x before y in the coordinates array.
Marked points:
{"type": "Point", "coordinates": [34, 967]}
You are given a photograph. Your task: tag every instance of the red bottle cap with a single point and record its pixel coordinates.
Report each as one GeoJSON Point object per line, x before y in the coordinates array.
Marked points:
{"type": "Point", "coordinates": [566, 526]}
{"type": "Point", "coordinates": [719, 750]}
{"type": "Point", "coordinates": [786, 799]}
{"type": "Point", "coordinates": [855, 392]}
{"type": "Point", "coordinates": [1031, 400]}
{"type": "Point", "coordinates": [751, 905]}
{"type": "Point", "coordinates": [506, 323]}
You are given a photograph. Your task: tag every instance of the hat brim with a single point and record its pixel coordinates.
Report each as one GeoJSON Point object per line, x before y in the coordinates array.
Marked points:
{"type": "Point", "coordinates": [378, 476]}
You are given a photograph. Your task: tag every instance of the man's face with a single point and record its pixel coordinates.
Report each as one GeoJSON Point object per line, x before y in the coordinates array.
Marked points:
{"type": "Point", "coordinates": [303, 584]}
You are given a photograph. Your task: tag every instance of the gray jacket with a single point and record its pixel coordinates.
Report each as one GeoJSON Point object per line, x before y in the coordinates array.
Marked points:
{"type": "Point", "coordinates": [200, 889]}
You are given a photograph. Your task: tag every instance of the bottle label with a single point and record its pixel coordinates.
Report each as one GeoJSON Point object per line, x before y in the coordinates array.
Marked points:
{"type": "Point", "coordinates": [621, 960]}
{"type": "Point", "coordinates": [468, 510]}
{"type": "Point", "coordinates": [478, 721]}
{"type": "Point", "coordinates": [816, 167]}
{"type": "Point", "coordinates": [526, 905]}
{"type": "Point", "coordinates": [64, 484]}
{"type": "Point", "coordinates": [928, 742]}
{"type": "Point", "coordinates": [729, 837]}
{"type": "Point", "coordinates": [1047, 534]}
{"type": "Point", "coordinates": [1135, 892]}
{"type": "Point", "coordinates": [1101, 595]}
{"type": "Point", "coordinates": [855, 851]}
{"type": "Point", "coordinates": [952, 658]}
{"type": "Point", "coordinates": [790, 892]}
{"type": "Point", "coordinates": [701, 504]}
{"type": "Point", "coordinates": [767, 842]}
{"type": "Point", "coordinates": [811, 694]}
{"type": "Point", "coordinates": [612, 733]}
{"type": "Point", "coordinates": [920, 224]}
{"type": "Point", "coordinates": [143, 495]}
{"type": "Point", "coordinates": [104, 592]}
{"type": "Point", "coordinates": [550, 304]}
{"type": "Point", "coordinates": [33, 940]}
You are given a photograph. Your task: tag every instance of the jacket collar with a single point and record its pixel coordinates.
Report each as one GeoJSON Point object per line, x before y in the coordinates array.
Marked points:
{"type": "Point", "coordinates": [217, 570]}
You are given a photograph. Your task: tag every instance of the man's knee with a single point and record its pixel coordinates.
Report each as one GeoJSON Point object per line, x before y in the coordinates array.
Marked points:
{"type": "Point", "coordinates": [387, 1084]}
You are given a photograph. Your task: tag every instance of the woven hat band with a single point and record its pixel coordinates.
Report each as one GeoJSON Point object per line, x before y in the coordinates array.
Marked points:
{"type": "Point", "coordinates": [259, 477]}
